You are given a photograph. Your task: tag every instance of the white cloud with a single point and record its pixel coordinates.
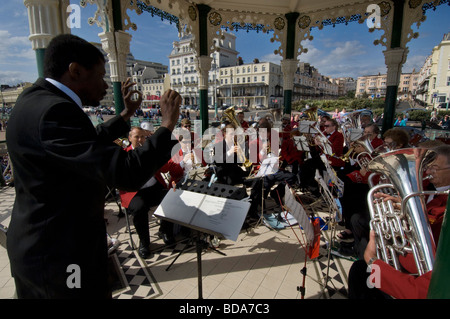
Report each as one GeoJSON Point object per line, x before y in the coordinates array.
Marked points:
{"type": "Point", "coordinates": [15, 77]}
{"type": "Point", "coordinates": [413, 62]}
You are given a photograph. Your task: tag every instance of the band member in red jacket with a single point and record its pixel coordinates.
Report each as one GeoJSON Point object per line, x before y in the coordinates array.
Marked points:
{"type": "Point", "coordinates": [150, 194]}
{"type": "Point", "coordinates": [333, 145]}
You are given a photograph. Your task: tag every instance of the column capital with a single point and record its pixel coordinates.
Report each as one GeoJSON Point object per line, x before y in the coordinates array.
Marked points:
{"type": "Point", "coordinates": [394, 59]}
{"type": "Point", "coordinates": [47, 18]}
{"type": "Point", "coordinates": [203, 67]}
{"type": "Point", "coordinates": [117, 46]}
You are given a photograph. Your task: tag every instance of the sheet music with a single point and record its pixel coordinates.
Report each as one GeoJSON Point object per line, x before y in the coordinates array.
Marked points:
{"type": "Point", "coordinates": [269, 166]}
{"type": "Point", "coordinates": [299, 214]}
{"type": "Point", "coordinates": [209, 214]}
{"type": "Point", "coordinates": [301, 143]}
{"type": "Point", "coordinates": [308, 127]}
{"type": "Point", "coordinates": [222, 215]}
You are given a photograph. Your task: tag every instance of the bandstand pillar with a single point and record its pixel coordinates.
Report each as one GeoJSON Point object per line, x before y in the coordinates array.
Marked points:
{"type": "Point", "coordinates": [289, 63]}
{"type": "Point", "coordinates": [47, 18]}
{"type": "Point", "coordinates": [395, 56]}
{"type": "Point", "coordinates": [116, 43]}
{"type": "Point", "coordinates": [203, 64]}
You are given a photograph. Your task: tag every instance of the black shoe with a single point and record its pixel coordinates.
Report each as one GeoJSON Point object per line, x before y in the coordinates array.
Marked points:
{"type": "Point", "coordinates": [168, 240]}
{"type": "Point", "coordinates": [144, 251]}
{"type": "Point", "coordinates": [346, 250]}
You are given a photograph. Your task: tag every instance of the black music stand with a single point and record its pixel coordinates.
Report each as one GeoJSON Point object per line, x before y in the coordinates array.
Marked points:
{"type": "Point", "coordinates": [217, 190]}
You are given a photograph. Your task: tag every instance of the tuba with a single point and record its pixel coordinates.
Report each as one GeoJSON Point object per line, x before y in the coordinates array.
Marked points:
{"type": "Point", "coordinates": [230, 114]}
{"type": "Point", "coordinates": [404, 230]}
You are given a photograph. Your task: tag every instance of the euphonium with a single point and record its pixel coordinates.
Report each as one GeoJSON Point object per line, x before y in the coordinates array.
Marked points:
{"type": "Point", "coordinates": [123, 142]}
{"type": "Point", "coordinates": [364, 157]}
{"type": "Point", "coordinates": [406, 230]}
{"type": "Point", "coordinates": [311, 113]}
{"type": "Point", "coordinates": [231, 116]}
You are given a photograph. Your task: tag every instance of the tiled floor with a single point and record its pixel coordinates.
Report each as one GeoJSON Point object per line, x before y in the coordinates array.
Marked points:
{"type": "Point", "coordinates": [263, 263]}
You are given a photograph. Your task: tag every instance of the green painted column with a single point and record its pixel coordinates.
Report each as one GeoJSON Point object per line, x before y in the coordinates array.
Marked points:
{"type": "Point", "coordinates": [440, 277]}
{"type": "Point", "coordinates": [40, 61]}
{"type": "Point", "coordinates": [290, 54]}
{"type": "Point", "coordinates": [203, 11]}
{"type": "Point", "coordinates": [391, 89]}
{"type": "Point", "coordinates": [117, 86]}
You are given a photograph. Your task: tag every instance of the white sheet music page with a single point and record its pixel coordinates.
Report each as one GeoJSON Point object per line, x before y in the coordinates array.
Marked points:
{"type": "Point", "coordinates": [299, 214]}
{"type": "Point", "coordinates": [225, 216]}
{"type": "Point", "coordinates": [269, 166]}
{"type": "Point", "coordinates": [207, 213]}
{"type": "Point", "coordinates": [180, 205]}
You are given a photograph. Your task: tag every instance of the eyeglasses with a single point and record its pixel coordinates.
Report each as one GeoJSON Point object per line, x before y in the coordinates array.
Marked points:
{"type": "Point", "coordinates": [186, 126]}
{"type": "Point", "coordinates": [327, 125]}
{"type": "Point", "coordinates": [435, 168]}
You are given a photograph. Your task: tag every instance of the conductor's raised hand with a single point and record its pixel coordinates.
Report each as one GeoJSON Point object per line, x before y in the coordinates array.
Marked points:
{"type": "Point", "coordinates": [131, 102]}
{"type": "Point", "coordinates": [170, 109]}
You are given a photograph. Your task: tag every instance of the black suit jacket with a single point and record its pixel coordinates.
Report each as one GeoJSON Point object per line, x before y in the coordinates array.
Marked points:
{"type": "Point", "coordinates": [62, 165]}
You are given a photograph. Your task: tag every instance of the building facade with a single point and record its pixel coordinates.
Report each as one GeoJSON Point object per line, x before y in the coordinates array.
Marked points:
{"type": "Point", "coordinates": [374, 86]}
{"type": "Point", "coordinates": [183, 67]}
{"type": "Point", "coordinates": [434, 76]}
{"type": "Point", "coordinates": [251, 85]}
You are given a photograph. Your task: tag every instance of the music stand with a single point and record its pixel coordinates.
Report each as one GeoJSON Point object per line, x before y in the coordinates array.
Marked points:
{"type": "Point", "coordinates": [335, 215]}
{"type": "Point", "coordinates": [268, 166]}
{"type": "Point", "coordinates": [226, 193]}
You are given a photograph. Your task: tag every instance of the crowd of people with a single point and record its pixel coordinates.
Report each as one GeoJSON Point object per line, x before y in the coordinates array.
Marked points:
{"type": "Point", "coordinates": [60, 157]}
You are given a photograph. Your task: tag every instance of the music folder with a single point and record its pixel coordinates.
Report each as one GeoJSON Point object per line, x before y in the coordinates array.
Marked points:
{"type": "Point", "coordinates": [213, 215]}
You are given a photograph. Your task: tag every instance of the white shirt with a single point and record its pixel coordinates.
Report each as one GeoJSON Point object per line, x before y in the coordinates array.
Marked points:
{"type": "Point", "coordinates": [66, 90]}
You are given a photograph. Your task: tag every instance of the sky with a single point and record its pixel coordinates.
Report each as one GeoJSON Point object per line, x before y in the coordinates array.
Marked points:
{"type": "Point", "coordinates": [340, 51]}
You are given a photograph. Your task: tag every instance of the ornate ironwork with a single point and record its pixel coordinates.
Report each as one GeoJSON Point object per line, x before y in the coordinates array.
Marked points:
{"type": "Point", "coordinates": [432, 5]}
{"type": "Point", "coordinates": [192, 13]}
{"type": "Point", "coordinates": [304, 22]}
{"type": "Point", "coordinates": [145, 6]}
{"type": "Point", "coordinates": [333, 22]}
{"type": "Point", "coordinates": [215, 18]}
{"type": "Point", "coordinates": [236, 26]}
{"type": "Point", "coordinates": [414, 3]}
{"type": "Point", "coordinates": [279, 23]}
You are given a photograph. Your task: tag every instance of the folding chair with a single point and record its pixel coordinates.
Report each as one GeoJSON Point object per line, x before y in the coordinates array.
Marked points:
{"type": "Point", "coordinates": [125, 198]}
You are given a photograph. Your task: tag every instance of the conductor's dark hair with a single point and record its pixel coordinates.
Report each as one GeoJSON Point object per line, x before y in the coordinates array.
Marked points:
{"type": "Point", "coordinates": [65, 49]}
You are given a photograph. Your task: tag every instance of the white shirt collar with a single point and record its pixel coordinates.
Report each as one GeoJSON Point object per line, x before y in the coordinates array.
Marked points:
{"type": "Point", "coordinates": [66, 90]}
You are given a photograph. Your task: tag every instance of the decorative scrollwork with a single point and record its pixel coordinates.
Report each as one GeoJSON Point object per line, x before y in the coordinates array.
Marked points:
{"type": "Point", "coordinates": [279, 23]}
{"type": "Point", "coordinates": [385, 8]}
{"type": "Point", "coordinates": [192, 13]}
{"type": "Point", "coordinates": [304, 22]}
{"type": "Point", "coordinates": [414, 3]}
{"type": "Point", "coordinates": [215, 18]}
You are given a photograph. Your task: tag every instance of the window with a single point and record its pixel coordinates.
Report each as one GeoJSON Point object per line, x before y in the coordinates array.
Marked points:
{"type": "Point", "coordinates": [448, 80]}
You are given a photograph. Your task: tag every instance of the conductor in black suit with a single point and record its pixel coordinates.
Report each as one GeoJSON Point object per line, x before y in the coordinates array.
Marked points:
{"type": "Point", "coordinates": [62, 164]}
